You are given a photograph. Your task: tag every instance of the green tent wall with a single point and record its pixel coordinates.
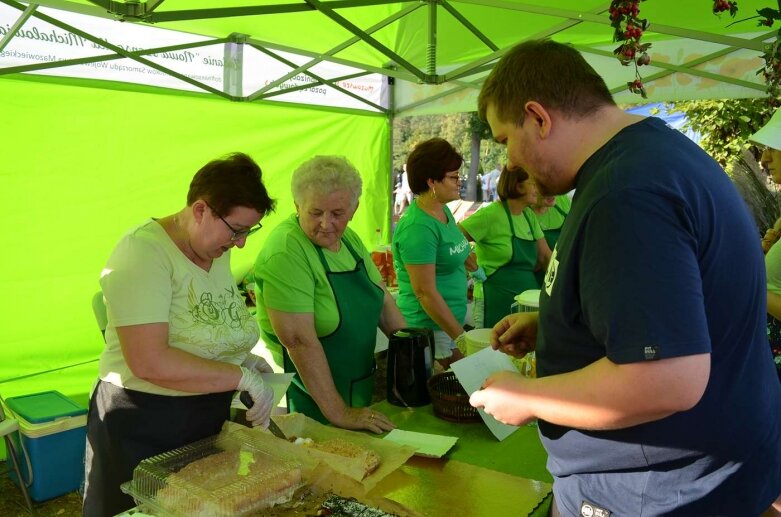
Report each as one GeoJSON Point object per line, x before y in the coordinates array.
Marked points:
{"type": "Point", "coordinates": [81, 165]}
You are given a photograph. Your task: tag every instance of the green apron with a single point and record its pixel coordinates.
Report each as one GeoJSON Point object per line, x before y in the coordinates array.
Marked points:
{"type": "Point", "coordinates": [511, 279]}
{"type": "Point", "coordinates": [350, 348]}
{"type": "Point", "coordinates": [551, 237]}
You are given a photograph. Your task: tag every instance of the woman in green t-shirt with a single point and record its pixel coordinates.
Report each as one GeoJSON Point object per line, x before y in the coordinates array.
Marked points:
{"type": "Point", "coordinates": [510, 247]}
{"type": "Point", "coordinates": [320, 299]}
{"type": "Point", "coordinates": [429, 251]}
{"type": "Point", "coordinates": [550, 212]}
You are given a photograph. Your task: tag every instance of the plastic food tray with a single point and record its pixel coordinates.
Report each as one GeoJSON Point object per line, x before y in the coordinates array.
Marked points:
{"type": "Point", "coordinates": [218, 476]}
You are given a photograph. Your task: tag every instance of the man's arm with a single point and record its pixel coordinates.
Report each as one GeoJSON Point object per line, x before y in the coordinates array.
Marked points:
{"type": "Point", "coordinates": [601, 396]}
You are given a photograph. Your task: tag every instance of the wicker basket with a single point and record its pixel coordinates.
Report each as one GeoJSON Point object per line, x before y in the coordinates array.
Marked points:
{"type": "Point", "coordinates": [449, 400]}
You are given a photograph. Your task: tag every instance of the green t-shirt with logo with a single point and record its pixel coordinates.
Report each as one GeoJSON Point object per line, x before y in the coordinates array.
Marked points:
{"type": "Point", "coordinates": [421, 239]}
{"type": "Point", "coordinates": [289, 276]}
{"type": "Point", "coordinates": [553, 219]}
{"type": "Point", "coordinates": [491, 231]}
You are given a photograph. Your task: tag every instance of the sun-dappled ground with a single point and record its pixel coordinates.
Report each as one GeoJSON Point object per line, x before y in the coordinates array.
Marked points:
{"type": "Point", "coordinates": [12, 502]}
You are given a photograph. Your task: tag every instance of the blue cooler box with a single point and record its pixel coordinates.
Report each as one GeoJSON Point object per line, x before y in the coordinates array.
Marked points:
{"type": "Point", "coordinates": [53, 432]}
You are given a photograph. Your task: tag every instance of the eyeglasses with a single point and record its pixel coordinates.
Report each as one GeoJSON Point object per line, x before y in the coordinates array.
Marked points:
{"type": "Point", "coordinates": [236, 234]}
{"type": "Point", "coordinates": [455, 178]}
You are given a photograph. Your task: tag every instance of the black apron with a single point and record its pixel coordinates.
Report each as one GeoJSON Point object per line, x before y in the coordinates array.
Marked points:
{"type": "Point", "coordinates": [350, 348]}
{"type": "Point", "coordinates": [511, 279]}
{"type": "Point", "coordinates": [126, 426]}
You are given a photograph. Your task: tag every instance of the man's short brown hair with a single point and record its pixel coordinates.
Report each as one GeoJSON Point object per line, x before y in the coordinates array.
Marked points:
{"type": "Point", "coordinates": [553, 74]}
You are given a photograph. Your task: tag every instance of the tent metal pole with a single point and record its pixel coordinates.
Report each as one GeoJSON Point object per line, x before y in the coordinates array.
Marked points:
{"type": "Point", "coordinates": [321, 80]}
{"type": "Point", "coordinates": [603, 20]}
{"type": "Point", "coordinates": [335, 50]}
{"type": "Point", "coordinates": [481, 64]}
{"type": "Point", "coordinates": [327, 11]}
{"type": "Point", "coordinates": [105, 4]}
{"type": "Point", "coordinates": [445, 93]}
{"type": "Point", "coordinates": [431, 46]}
{"type": "Point", "coordinates": [73, 7]}
{"type": "Point", "coordinates": [17, 25]}
{"type": "Point", "coordinates": [256, 10]}
{"type": "Point", "coordinates": [469, 25]}
{"type": "Point", "coordinates": [392, 173]}
{"type": "Point", "coordinates": [119, 50]}
{"type": "Point", "coordinates": [684, 69]}
{"type": "Point", "coordinates": [233, 65]}
{"type": "Point", "coordinates": [331, 59]}
{"type": "Point", "coordinates": [105, 57]}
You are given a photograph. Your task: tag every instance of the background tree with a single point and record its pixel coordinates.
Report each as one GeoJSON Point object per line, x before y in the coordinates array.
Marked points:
{"type": "Point", "coordinates": [465, 131]}
{"type": "Point", "coordinates": [725, 126]}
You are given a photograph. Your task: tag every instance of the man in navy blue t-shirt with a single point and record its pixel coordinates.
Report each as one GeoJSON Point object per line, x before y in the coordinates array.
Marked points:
{"type": "Point", "coordinates": [656, 392]}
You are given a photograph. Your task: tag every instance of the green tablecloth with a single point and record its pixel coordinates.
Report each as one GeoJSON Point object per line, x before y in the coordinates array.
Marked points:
{"type": "Point", "coordinates": [520, 454]}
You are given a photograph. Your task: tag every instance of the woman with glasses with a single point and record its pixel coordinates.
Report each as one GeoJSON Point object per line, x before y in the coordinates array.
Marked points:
{"type": "Point", "coordinates": [429, 251]}
{"type": "Point", "coordinates": [320, 299]}
{"type": "Point", "coordinates": [178, 334]}
{"type": "Point", "coordinates": [510, 247]}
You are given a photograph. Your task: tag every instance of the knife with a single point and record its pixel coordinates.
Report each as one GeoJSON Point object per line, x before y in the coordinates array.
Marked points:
{"type": "Point", "coordinates": [246, 399]}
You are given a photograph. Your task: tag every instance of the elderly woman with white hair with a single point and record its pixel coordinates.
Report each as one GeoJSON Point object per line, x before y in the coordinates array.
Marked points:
{"type": "Point", "coordinates": [320, 299]}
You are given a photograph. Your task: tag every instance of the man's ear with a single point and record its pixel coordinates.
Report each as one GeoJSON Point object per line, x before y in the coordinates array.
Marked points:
{"type": "Point", "coordinates": [539, 116]}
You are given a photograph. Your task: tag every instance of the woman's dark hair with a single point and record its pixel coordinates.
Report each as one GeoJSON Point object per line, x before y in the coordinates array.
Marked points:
{"type": "Point", "coordinates": [228, 182]}
{"type": "Point", "coordinates": [509, 181]}
{"type": "Point", "coordinates": [431, 160]}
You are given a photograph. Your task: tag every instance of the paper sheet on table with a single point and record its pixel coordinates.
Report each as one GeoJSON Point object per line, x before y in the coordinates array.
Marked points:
{"type": "Point", "coordinates": [278, 382]}
{"type": "Point", "coordinates": [472, 370]}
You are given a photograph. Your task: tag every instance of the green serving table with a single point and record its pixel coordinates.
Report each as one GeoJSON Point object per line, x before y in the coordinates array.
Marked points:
{"type": "Point", "coordinates": [512, 467]}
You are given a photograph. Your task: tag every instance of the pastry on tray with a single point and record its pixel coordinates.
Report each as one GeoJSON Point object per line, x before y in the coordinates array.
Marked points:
{"type": "Point", "coordinates": [344, 448]}
{"type": "Point", "coordinates": [232, 482]}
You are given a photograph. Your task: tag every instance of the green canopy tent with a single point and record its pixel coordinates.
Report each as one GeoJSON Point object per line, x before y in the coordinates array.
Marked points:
{"type": "Point", "coordinates": [106, 116]}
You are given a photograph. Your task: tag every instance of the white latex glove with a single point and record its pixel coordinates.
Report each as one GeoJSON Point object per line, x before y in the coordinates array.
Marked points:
{"type": "Point", "coordinates": [479, 274]}
{"type": "Point", "coordinates": [257, 363]}
{"type": "Point", "coordinates": [262, 397]}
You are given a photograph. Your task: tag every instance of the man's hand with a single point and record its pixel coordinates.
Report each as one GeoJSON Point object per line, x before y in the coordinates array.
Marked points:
{"type": "Point", "coordinates": [503, 397]}
{"type": "Point", "coordinates": [516, 334]}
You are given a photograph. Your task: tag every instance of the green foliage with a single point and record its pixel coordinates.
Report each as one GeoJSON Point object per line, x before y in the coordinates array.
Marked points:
{"type": "Point", "coordinates": [456, 128]}
{"type": "Point", "coordinates": [725, 125]}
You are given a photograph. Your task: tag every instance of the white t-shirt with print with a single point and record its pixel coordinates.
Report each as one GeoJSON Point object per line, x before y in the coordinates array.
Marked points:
{"type": "Point", "coordinates": [148, 279]}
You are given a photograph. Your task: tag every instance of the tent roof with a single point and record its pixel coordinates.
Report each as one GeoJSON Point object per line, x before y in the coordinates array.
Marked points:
{"type": "Point", "coordinates": [426, 44]}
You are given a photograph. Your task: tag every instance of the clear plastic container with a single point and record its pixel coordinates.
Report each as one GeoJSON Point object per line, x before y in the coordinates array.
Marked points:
{"type": "Point", "coordinates": [218, 476]}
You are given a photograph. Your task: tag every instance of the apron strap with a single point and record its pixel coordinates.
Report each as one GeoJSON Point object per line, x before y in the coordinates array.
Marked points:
{"type": "Point", "coordinates": [324, 262]}
{"type": "Point", "coordinates": [512, 224]}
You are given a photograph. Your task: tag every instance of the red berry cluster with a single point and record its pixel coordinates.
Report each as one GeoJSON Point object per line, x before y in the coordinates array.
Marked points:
{"type": "Point", "coordinates": [720, 6]}
{"type": "Point", "coordinates": [637, 87]}
{"type": "Point", "coordinates": [628, 29]}
{"type": "Point", "coordinates": [771, 70]}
